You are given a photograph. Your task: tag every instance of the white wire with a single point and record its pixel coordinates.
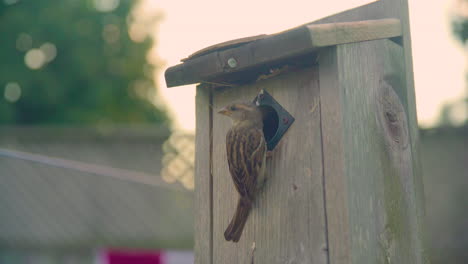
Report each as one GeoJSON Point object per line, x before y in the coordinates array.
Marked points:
{"type": "Point", "coordinates": [100, 170]}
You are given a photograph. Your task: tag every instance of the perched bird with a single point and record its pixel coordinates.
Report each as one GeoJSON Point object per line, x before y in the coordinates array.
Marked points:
{"type": "Point", "coordinates": [246, 154]}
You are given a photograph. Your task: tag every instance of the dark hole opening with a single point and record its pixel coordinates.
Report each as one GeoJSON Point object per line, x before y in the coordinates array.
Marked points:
{"type": "Point", "coordinates": [270, 121]}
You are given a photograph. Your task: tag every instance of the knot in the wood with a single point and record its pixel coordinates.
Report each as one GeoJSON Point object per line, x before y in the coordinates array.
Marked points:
{"type": "Point", "coordinates": [391, 116]}
{"type": "Point", "coordinates": [391, 121]}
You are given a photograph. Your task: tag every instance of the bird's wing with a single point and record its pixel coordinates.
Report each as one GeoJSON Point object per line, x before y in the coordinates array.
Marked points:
{"type": "Point", "coordinates": [246, 148]}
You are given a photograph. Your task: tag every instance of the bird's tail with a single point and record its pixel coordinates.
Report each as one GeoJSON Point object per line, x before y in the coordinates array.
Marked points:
{"type": "Point", "coordinates": [234, 230]}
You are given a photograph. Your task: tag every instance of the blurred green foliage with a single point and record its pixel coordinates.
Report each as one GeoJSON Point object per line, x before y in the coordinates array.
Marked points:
{"type": "Point", "coordinates": [460, 28]}
{"type": "Point", "coordinates": [73, 62]}
{"type": "Point", "coordinates": [460, 20]}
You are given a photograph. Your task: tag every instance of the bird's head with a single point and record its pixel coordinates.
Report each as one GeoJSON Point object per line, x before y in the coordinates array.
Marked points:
{"type": "Point", "coordinates": [243, 113]}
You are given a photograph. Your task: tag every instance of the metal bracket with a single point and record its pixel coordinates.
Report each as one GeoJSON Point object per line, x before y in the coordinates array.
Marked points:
{"type": "Point", "coordinates": [276, 120]}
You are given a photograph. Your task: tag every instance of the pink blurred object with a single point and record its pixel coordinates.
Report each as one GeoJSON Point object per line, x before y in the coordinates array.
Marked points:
{"type": "Point", "coordinates": [127, 256]}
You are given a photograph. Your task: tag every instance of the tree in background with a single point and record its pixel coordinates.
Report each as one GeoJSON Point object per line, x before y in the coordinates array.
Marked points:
{"type": "Point", "coordinates": [456, 113]}
{"type": "Point", "coordinates": [460, 20]}
{"type": "Point", "coordinates": [75, 62]}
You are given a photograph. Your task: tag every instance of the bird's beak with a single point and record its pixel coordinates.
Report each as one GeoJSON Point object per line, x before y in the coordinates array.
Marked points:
{"type": "Point", "coordinates": [224, 111]}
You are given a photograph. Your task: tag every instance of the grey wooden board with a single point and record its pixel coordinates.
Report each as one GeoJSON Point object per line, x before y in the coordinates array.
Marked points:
{"type": "Point", "coordinates": [336, 191]}
{"type": "Point", "coordinates": [363, 85]}
{"type": "Point", "coordinates": [287, 223]}
{"type": "Point", "coordinates": [324, 35]}
{"type": "Point", "coordinates": [397, 9]}
{"type": "Point", "coordinates": [203, 178]}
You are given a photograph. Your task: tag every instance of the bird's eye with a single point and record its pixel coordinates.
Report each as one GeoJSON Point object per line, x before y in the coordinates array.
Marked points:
{"type": "Point", "coordinates": [233, 108]}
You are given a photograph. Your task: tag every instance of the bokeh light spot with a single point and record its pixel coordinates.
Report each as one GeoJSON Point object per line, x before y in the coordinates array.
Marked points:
{"type": "Point", "coordinates": [35, 59]}
{"type": "Point", "coordinates": [106, 5]}
{"type": "Point", "coordinates": [49, 50]}
{"type": "Point", "coordinates": [23, 42]}
{"type": "Point", "coordinates": [10, 2]}
{"type": "Point", "coordinates": [137, 32]}
{"type": "Point", "coordinates": [12, 92]}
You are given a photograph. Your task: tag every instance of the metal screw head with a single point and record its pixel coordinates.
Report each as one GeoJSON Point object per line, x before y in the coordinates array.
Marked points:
{"type": "Point", "coordinates": [285, 120]}
{"type": "Point", "coordinates": [260, 97]}
{"type": "Point", "coordinates": [232, 62]}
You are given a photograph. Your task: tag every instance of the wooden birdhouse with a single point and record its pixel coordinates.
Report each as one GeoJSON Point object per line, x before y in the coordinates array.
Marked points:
{"type": "Point", "coordinates": [344, 182]}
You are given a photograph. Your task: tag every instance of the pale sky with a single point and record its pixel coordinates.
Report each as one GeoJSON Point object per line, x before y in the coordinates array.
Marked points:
{"type": "Point", "coordinates": [188, 26]}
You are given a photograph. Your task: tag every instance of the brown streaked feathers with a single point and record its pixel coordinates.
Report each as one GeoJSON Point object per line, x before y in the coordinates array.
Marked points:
{"type": "Point", "coordinates": [246, 152]}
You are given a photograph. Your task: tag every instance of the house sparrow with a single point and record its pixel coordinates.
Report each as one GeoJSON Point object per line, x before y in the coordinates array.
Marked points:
{"type": "Point", "coordinates": [246, 154]}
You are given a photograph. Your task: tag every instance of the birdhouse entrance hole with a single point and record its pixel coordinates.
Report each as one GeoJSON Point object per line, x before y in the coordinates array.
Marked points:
{"type": "Point", "coordinates": [276, 120]}
{"type": "Point", "coordinates": [270, 122]}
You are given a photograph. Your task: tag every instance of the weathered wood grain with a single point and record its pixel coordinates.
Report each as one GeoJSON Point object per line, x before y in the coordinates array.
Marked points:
{"type": "Point", "coordinates": [324, 35]}
{"type": "Point", "coordinates": [363, 100]}
{"type": "Point", "coordinates": [335, 182]}
{"type": "Point", "coordinates": [397, 9]}
{"type": "Point", "coordinates": [203, 178]}
{"type": "Point", "coordinates": [287, 224]}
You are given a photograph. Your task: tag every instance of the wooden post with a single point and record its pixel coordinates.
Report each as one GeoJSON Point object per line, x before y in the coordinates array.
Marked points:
{"type": "Point", "coordinates": [344, 183]}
